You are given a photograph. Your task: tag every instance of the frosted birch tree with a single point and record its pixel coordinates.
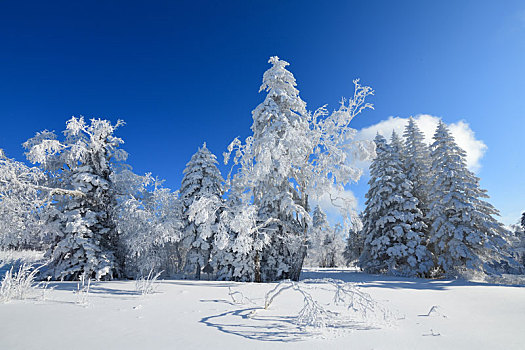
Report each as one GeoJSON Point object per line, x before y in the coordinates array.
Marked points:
{"type": "Point", "coordinates": [149, 224]}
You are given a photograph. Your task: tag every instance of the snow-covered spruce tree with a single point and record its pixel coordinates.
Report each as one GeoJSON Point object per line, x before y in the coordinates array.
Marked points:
{"type": "Point", "coordinates": [465, 236]}
{"type": "Point", "coordinates": [21, 205]}
{"type": "Point", "coordinates": [393, 223]}
{"type": "Point", "coordinates": [201, 179]}
{"type": "Point", "coordinates": [417, 164]}
{"type": "Point", "coordinates": [84, 236]}
{"type": "Point", "coordinates": [292, 155]}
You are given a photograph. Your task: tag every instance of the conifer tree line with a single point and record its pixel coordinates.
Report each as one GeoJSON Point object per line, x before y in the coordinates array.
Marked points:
{"type": "Point", "coordinates": [94, 217]}
{"type": "Point", "coordinates": [426, 214]}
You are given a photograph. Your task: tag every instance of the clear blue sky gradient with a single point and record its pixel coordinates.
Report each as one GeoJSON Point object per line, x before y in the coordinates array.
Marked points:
{"type": "Point", "coordinates": [184, 72]}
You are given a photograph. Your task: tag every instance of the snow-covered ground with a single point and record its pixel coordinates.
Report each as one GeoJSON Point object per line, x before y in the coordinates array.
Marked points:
{"type": "Point", "coordinates": [421, 314]}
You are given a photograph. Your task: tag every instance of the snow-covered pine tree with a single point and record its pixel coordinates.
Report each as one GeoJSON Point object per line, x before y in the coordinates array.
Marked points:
{"type": "Point", "coordinates": [201, 179]}
{"type": "Point", "coordinates": [293, 155]}
{"type": "Point", "coordinates": [465, 236]}
{"type": "Point", "coordinates": [393, 223]}
{"type": "Point", "coordinates": [85, 241]}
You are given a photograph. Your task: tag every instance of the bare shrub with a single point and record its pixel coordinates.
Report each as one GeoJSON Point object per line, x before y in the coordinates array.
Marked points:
{"type": "Point", "coordinates": [147, 284]}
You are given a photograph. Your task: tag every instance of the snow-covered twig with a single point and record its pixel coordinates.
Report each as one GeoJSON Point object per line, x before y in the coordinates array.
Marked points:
{"type": "Point", "coordinates": [147, 284]}
{"type": "Point", "coordinates": [238, 297]}
{"type": "Point", "coordinates": [82, 291]}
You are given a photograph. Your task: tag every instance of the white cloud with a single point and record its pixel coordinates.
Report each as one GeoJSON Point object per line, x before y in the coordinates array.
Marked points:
{"type": "Point", "coordinates": [461, 131]}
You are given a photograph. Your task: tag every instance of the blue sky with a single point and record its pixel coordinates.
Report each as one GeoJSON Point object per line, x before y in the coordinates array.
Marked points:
{"type": "Point", "coordinates": [184, 72]}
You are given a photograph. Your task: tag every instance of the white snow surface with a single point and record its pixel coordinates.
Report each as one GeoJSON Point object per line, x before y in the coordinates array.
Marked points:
{"type": "Point", "coordinates": [184, 314]}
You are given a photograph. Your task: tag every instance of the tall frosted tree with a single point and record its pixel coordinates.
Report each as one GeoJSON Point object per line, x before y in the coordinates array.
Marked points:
{"type": "Point", "coordinates": [293, 155]}
{"type": "Point", "coordinates": [393, 223]}
{"type": "Point", "coordinates": [82, 226]}
{"type": "Point", "coordinates": [465, 236]}
{"type": "Point", "coordinates": [201, 179]}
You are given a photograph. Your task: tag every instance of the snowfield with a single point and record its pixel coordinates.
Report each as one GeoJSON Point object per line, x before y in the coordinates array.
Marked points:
{"type": "Point", "coordinates": [410, 314]}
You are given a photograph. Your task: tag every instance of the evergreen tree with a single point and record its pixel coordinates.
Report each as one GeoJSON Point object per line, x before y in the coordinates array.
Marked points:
{"type": "Point", "coordinates": [417, 163]}
{"type": "Point", "coordinates": [393, 223]}
{"type": "Point", "coordinates": [465, 236]}
{"type": "Point", "coordinates": [201, 179]}
{"type": "Point", "coordinates": [83, 229]}
{"type": "Point", "coordinates": [354, 245]}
